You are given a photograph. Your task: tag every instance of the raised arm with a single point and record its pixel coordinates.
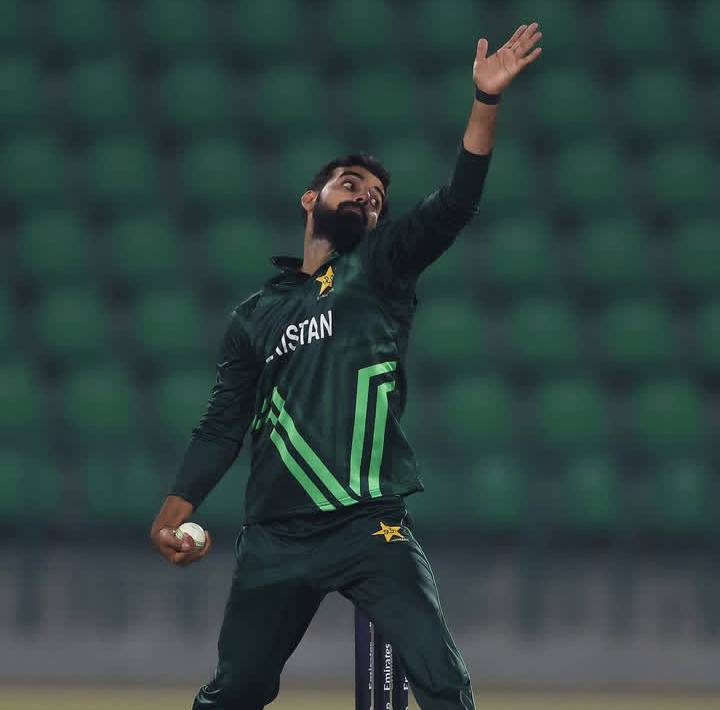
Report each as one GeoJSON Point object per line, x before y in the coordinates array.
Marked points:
{"type": "Point", "coordinates": [400, 249]}
{"type": "Point", "coordinates": [215, 442]}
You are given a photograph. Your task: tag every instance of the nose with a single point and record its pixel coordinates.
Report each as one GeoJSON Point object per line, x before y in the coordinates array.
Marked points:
{"type": "Point", "coordinates": [362, 199]}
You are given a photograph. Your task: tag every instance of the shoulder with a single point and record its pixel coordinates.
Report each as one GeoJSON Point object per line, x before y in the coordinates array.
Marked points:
{"type": "Point", "coordinates": [239, 317]}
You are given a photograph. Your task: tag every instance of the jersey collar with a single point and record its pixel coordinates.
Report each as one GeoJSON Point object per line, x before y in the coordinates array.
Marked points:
{"type": "Point", "coordinates": [287, 263]}
{"type": "Point", "coordinates": [293, 264]}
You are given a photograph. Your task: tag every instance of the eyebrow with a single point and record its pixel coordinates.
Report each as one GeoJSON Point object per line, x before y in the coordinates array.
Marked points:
{"type": "Point", "coordinates": [362, 177]}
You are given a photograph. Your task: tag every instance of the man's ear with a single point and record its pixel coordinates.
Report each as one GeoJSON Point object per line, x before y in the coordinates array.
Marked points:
{"type": "Point", "coordinates": [307, 201]}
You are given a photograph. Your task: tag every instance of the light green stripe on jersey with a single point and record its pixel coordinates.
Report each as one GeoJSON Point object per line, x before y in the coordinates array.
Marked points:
{"type": "Point", "coordinates": [381, 411]}
{"type": "Point", "coordinates": [296, 470]}
{"type": "Point", "coordinates": [361, 406]}
{"type": "Point", "coordinates": [306, 451]}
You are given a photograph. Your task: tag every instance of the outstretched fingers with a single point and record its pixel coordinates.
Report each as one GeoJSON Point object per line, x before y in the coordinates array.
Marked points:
{"type": "Point", "coordinates": [515, 37]}
{"type": "Point", "coordinates": [526, 41]}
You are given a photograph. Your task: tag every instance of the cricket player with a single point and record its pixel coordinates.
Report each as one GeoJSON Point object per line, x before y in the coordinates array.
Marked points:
{"type": "Point", "coordinates": [312, 366]}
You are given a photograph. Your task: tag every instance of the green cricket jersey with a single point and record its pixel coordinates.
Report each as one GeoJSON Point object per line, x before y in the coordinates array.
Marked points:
{"type": "Point", "coordinates": [312, 366]}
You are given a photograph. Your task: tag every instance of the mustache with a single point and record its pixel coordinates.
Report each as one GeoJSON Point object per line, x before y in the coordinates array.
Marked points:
{"type": "Point", "coordinates": [356, 205]}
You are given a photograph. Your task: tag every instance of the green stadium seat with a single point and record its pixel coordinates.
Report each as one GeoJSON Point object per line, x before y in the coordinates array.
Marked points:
{"type": "Point", "coordinates": [542, 335]}
{"type": "Point", "coordinates": [511, 177]}
{"type": "Point", "coordinates": [30, 487]}
{"type": "Point", "coordinates": [72, 326]}
{"type": "Point", "coordinates": [198, 98]}
{"type": "Point", "coordinates": [682, 180]}
{"type": "Point", "coordinates": [269, 31]}
{"type": "Point", "coordinates": [580, 106]}
{"type": "Point", "coordinates": [566, 31]}
{"type": "Point", "coordinates": [477, 413]}
{"type": "Point", "coordinates": [453, 273]}
{"type": "Point", "coordinates": [180, 400]}
{"type": "Point", "coordinates": [704, 21]}
{"type": "Point", "coordinates": [438, 504]}
{"type": "Point", "coordinates": [613, 257]}
{"type": "Point", "coordinates": [16, 27]}
{"type": "Point", "coordinates": [178, 27]}
{"type": "Point", "coordinates": [668, 417]}
{"type": "Point", "coordinates": [8, 334]}
{"type": "Point", "coordinates": [99, 406]}
{"type": "Point", "coordinates": [707, 336]}
{"type": "Point", "coordinates": [82, 26]}
{"type": "Point", "coordinates": [637, 337]}
{"type": "Point", "coordinates": [681, 497]}
{"type": "Point", "coordinates": [518, 256]}
{"type": "Point", "coordinates": [362, 31]}
{"type": "Point", "coordinates": [571, 415]}
{"type": "Point", "coordinates": [238, 255]}
{"type": "Point", "coordinates": [638, 31]}
{"type": "Point", "coordinates": [23, 405]}
{"type": "Point", "coordinates": [145, 251]}
{"type": "Point", "coordinates": [122, 488]}
{"type": "Point", "coordinates": [100, 96]}
{"type": "Point", "coordinates": [450, 102]}
{"type": "Point", "coordinates": [121, 174]}
{"type": "Point", "coordinates": [54, 249]}
{"type": "Point", "coordinates": [588, 498]}
{"type": "Point", "coordinates": [589, 176]}
{"type": "Point", "coordinates": [498, 497]}
{"type": "Point", "coordinates": [32, 171]}
{"type": "Point", "coordinates": [169, 328]}
{"type": "Point", "coordinates": [223, 511]}
{"type": "Point", "coordinates": [416, 171]}
{"type": "Point", "coordinates": [646, 110]}
{"type": "Point", "coordinates": [217, 175]}
{"type": "Point", "coordinates": [290, 99]}
{"type": "Point", "coordinates": [447, 37]}
{"type": "Point", "coordinates": [394, 99]}
{"type": "Point", "coordinates": [450, 335]}
{"type": "Point", "coordinates": [295, 166]}
{"type": "Point", "coordinates": [24, 103]}
{"type": "Point", "coordinates": [694, 256]}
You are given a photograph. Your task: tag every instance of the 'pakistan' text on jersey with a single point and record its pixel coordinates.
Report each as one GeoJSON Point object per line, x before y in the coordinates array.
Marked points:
{"type": "Point", "coordinates": [312, 366]}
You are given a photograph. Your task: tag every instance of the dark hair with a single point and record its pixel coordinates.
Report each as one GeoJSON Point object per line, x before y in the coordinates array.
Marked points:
{"type": "Point", "coordinates": [364, 160]}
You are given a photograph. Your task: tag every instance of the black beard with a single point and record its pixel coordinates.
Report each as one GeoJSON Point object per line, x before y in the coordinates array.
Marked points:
{"type": "Point", "coordinates": [343, 228]}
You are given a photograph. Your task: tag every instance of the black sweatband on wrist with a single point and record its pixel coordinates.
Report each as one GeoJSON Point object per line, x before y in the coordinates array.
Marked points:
{"type": "Point", "coordinates": [484, 98]}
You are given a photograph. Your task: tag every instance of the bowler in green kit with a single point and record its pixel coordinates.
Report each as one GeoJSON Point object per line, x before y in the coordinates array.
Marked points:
{"type": "Point", "coordinates": [312, 369]}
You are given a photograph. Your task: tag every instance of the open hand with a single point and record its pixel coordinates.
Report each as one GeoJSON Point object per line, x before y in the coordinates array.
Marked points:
{"type": "Point", "coordinates": [494, 73]}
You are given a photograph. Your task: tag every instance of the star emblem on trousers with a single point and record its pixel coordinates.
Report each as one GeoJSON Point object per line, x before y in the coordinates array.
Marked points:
{"type": "Point", "coordinates": [390, 532]}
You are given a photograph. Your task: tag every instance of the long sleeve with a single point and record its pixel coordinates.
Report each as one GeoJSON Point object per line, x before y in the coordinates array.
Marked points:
{"type": "Point", "coordinates": [404, 247]}
{"type": "Point", "coordinates": [217, 438]}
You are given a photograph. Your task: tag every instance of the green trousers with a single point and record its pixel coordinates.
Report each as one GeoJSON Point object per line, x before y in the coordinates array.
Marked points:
{"type": "Point", "coordinates": [284, 569]}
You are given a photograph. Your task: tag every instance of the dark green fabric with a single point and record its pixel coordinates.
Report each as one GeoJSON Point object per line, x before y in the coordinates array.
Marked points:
{"type": "Point", "coordinates": [320, 378]}
{"type": "Point", "coordinates": [285, 568]}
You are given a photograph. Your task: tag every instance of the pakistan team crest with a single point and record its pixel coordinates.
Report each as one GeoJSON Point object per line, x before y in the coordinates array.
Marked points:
{"type": "Point", "coordinates": [326, 282]}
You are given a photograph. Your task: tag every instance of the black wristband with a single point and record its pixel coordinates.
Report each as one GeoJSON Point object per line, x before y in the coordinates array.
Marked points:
{"type": "Point", "coordinates": [484, 98]}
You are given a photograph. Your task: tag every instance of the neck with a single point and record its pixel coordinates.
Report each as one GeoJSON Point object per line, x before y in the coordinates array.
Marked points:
{"type": "Point", "coordinates": [316, 251]}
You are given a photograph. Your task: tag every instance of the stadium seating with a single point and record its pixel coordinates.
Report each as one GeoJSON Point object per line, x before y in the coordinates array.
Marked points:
{"type": "Point", "coordinates": [198, 98]}
{"type": "Point", "coordinates": [565, 354]}
{"type": "Point", "coordinates": [145, 251]}
{"type": "Point", "coordinates": [22, 86]}
{"type": "Point", "coordinates": [54, 249]}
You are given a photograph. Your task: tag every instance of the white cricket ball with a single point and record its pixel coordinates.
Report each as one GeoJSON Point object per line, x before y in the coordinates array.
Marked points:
{"type": "Point", "coordinates": [195, 532]}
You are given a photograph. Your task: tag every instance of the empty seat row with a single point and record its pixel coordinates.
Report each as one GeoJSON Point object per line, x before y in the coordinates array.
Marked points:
{"type": "Point", "coordinates": [196, 97]}
{"type": "Point", "coordinates": [583, 496]}
{"type": "Point", "coordinates": [470, 415]}
{"type": "Point", "coordinates": [582, 178]}
{"type": "Point", "coordinates": [500, 494]}
{"type": "Point", "coordinates": [615, 257]}
{"type": "Point", "coordinates": [637, 338]}
{"type": "Point", "coordinates": [640, 31]}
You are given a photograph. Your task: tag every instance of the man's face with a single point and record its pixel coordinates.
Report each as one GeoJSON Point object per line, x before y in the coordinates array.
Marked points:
{"type": "Point", "coordinates": [348, 206]}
